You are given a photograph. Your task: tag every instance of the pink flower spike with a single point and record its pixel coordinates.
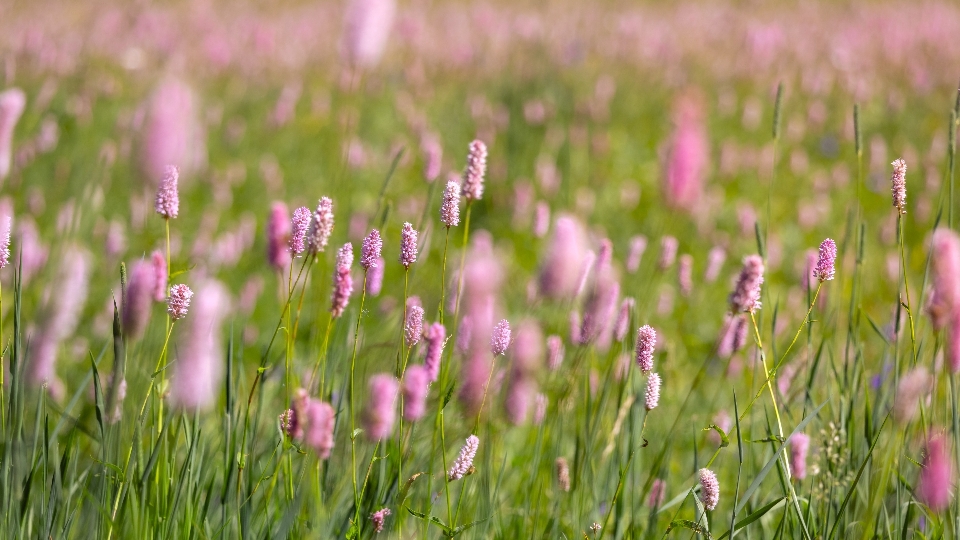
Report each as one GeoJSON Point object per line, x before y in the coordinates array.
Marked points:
{"type": "Point", "coordinates": [435, 337]}
{"type": "Point", "coordinates": [646, 343]}
{"type": "Point", "coordinates": [179, 301]}
{"type": "Point", "coordinates": [375, 278]}
{"type": "Point", "coordinates": [937, 476]}
{"type": "Point", "coordinates": [652, 395]}
{"type": "Point", "coordinates": [378, 518]}
{"type": "Point", "coordinates": [413, 327]}
{"type": "Point", "coordinates": [450, 208]}
{"type": "Point", "coordinates": [500, 339]}
{"type": "Point", "coordinates": [799, 445]}
{"type": "Point", "coordinates": [824, 271]}
{"type": "Point", "coordinates": [408, 245]}
{"type": "Point", "coordinates": [167, 203]}
{"type": "Point", "coordinates": [278, 237]}
{"type": "Point", "coordinates": [464, 462]}
{"type": "Point", "coordinates": [416, 382]}
{"type": "Point", "coordinates": [160, 276]}
{"type": "Point", "coordinates": [898, 185]}
{"type": "Point", "coordinates": [370, 250]}
{"type": "Point", "coordinates": [745, 297]}
{"type": "Point", "coordinates": [299, 225]}
{"type": "Point", "coordinates": [476, 169]}
{"type": "Point", "coordinates": [709, 489]}
{"type": "Point", "coordinates": [318, 432]}
{"type": "Point", "coordinates": [381, 411]}
{"type": "Point", "coordinates": [321, 227]}
{"type": "Point", "coordinates": [138, 300]}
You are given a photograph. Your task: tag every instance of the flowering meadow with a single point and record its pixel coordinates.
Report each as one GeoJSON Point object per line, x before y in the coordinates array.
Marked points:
{"type": "Point", "coordinates": [479, 269]}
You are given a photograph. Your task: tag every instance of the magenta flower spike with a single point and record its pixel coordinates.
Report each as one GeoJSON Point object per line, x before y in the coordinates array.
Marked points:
{"type": "Point", "coordinates": [380, 414]}
{"type": "Point", "coordinates": [450, 207]}
{"type": "Point", "coordinates": [658, 492]}
{"type": "Point", "coordinates": [378, 519]}
{"type": "Point", "coordinates": [435, 337]}
{"type": "Point", "coordinates": [167, 203]}
{"type": "Point", "coordinates": [638, 245]}
{"type": "Point", "coordinates": [198, 370]}
{"type": "Point", "coordinates": [408, 245]}
{"type": "Point", "coordinates": [745, 297]}
{"type": "Point", "coordinates": [370, 250]}
{"type": "Point", "coordinates": [299, 224]}
{"type": "Point", "coordinates": [476, 169]}
{"type": "Point", "coordinates": [278, 237]}
{"type": "Point", "coordinates": [826, 260]}
{"type": "Point", "coordinates": [688, 158]}
{"type": "Point", "coordinates": [898, 185]}
{"type": "Point", "coordinates": [159, 275]}
{"type": "Point", "coordinates": [566, 253]}
{"type": "Point", "coordinates": [937, 475]}
{"type": "Point", "coordinates": [342, 281]}
{"type": "Point", "coordinates": [709, 489]}
{"type": "Point", "coordinates": [374, 279]}
{"type": "Point", "coordinates": [464, 462]}
{"type": "Point", "coordinates": [416, 383]}
{"type": "Point", "coordinates": [799, 445]}
{"type": "Point", "coordinates": [318, 432]}
{"type": "Point", "coordinates": [138, 300]}
{"type": "Point", "coordinates": [945, 270]}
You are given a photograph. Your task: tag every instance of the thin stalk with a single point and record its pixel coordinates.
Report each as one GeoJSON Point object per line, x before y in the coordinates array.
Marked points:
{"type": "Point", "coordinates": [773, 397]}
{"type": "Point", "coordinates": [353, 408]}
{"type": "Point", "coordinates": [906, 288]}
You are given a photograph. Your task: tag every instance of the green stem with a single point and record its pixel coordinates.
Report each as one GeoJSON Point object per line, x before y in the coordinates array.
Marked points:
{"type": "Point", "coordinates": [353, 409]}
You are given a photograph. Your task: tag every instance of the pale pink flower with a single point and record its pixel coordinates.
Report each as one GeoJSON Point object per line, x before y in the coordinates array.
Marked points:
{"type": "Point", "coordinates": [380, 413]}
{"type": "Point", "coordinates": [179, 301]}
{"type": "Point", "coordinates": [554, 352]}
{"type": "Point", "coordinates": [799, 445]}
{"type": "Point", "coordinates": [167, 203]}
{"type": "Point", "coordinates": [500, 339]}
{"type": "Point", "coordinates": [709, 489]}
{"type": "Point", "coordinates": [159, 275]}
{"type": "Point", "coordinates": [378, 518]}
{"type": "Point", "coordinates": [435, 337]}
{"type": "Point", "coordinates": [367, 26]}
{"type": "Point", "coordinates": [416, 382]}
{"type": "Point", "coordinates": [408, 245]}
{"type": "Point", "coordinates": [321, 227]}
{"type": "Point", "coordinates": [560, 271]}
{"type": "Point", "coordinates": [473, 175]}
{"type": "Point", "coordinates": [299, 224]}
{"type": "Point", "coordinates": [138, 300]}
{"type": "Point", "coordinates": [450, 208]}
{"type": "Point", "coordinates": [464, 462]}
{"type": "Point", "coordinates": [198, 369]}
{"type": "Point", "coordinates": [12, 103]}
{"type": "Point", "coordinates": [413, 326]}
{"type": "Point", "coordinates": [278, 236]}
{"type": "Point", "coordinates": [937, 475]}
{"type": "Point", "coordinates": [318, 431]}
{"type": "Point", "coordinates": [370, 250]}
{"type": "Point", "coordinates": [563, 474]}
{"type": "Point", "coordinates": [651, 397]}
{"type": "Point", "coordinates": [745, 297]}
